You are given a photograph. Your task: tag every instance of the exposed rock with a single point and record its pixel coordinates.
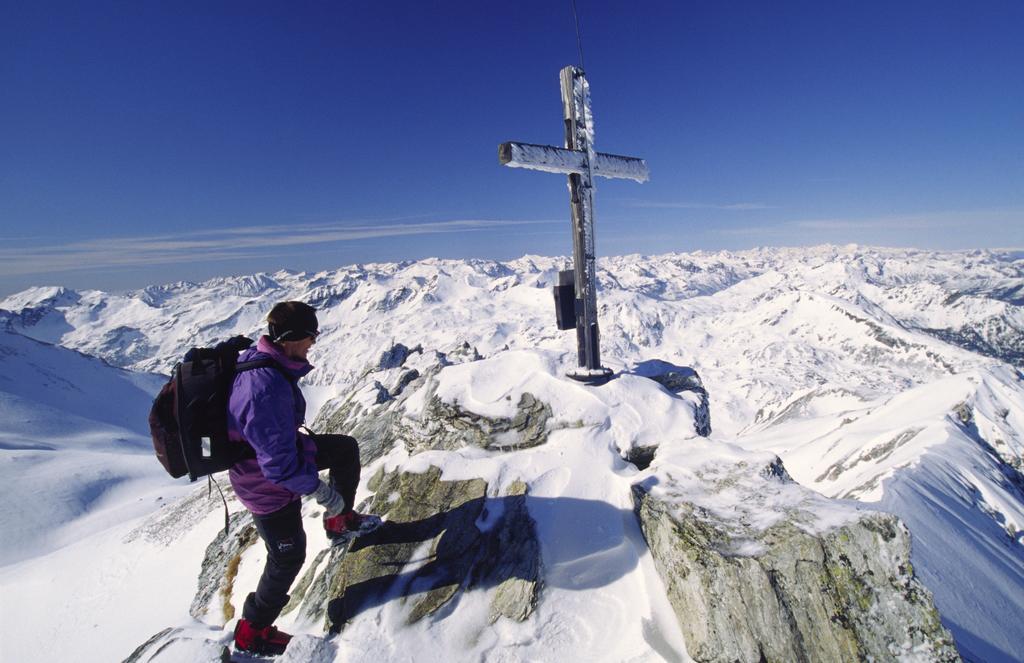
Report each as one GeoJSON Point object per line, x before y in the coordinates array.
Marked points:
{"type": "Point", "coordinates": [383, 395]}
{"type": "Point", "coordinates": [299, 590]}
{"type": "Point", "coordinates": [964, 413]}
{"type": "Point", "coordinates": [394, 298]}
{"type": "Point", "coordinates": [787, 592]}
{"type": "Point", "coordinates": [372, 425]}
{"type": "Point", "coordinates": [464, 353]}
{"type": "Point", "coordinates": [998, 337]}
{"type": "Point", "coordinates": [314, 603]}
{"type": "Point", "coordinates": [440, 538]}
{"type": "Point", "coordinates": [448, 426]}
{"type": "Point", "coordinates": [641, 456]}
{"type": "Point", "coordinates": [215, 577]}
{"type": "Point", "coordinates": [404, 380]}
{"type": "Point", "coordinates": [376, 412]}
{"type": "Point", "coordinates": [395, 356]}
{"type": "Point", "coordinates": [776, 470]}
{"type": "Point", "coordinates": [373, 410]}
{"type": "Point", "coordinates": [324, 296]}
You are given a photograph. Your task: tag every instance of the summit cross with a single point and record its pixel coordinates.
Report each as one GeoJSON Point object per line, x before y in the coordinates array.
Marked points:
{"type": "Point", "coordinates": [576, 292]}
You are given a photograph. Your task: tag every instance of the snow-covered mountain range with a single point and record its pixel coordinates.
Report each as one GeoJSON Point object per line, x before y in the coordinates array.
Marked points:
{"type": "Point", "coordinates": [882, 377]}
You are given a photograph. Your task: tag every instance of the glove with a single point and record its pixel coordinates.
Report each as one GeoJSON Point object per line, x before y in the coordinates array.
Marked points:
{"type": "Point", "coordinates": [330, 499]}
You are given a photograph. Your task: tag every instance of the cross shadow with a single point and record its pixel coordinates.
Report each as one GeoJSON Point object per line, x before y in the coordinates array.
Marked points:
{"type": "Point", "coordinates": [481, 544]}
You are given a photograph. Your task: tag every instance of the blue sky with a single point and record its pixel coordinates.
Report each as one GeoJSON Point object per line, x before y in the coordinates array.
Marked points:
{"type": "Point", "coordinates": [146, 142]}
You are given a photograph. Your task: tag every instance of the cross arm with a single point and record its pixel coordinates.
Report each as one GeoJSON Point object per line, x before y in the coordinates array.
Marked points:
{"type": "Point", "coordinates": [560, 160]}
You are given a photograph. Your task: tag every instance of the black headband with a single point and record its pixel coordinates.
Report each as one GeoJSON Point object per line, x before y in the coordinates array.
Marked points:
{"type": "Point", "coordinates": [291, 332]}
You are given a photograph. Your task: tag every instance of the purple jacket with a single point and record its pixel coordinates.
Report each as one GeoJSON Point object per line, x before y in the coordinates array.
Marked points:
{"type": "Point", "coordinates": [265, 409]}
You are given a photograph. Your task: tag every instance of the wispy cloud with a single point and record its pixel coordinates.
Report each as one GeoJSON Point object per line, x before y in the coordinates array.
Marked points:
{"type": "Point", "coordinates": [735, 207]}
{"type": "Point", "coordinates": [947, 221]}
{"type": "Point", "coordinates": [20, 238]}
{"type": "Point", "coordinates": [220, 244]}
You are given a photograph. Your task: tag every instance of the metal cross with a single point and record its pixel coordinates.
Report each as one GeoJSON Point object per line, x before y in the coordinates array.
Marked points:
{"type": "Point", "coordinates": [581, 163]}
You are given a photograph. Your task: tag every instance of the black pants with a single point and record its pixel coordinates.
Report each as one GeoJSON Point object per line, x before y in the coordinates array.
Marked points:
{"type": "Point", "coordinates": [340, 455]}
{"type": "Point", "coordinates": [284, 537]}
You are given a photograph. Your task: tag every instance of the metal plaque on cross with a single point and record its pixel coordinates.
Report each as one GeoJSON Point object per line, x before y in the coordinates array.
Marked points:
{"type": "Point", "coordinates": [581, 163]}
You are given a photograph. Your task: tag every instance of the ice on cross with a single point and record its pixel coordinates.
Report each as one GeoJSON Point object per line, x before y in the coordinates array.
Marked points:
{"type": "Point", "coordinates": [568, 162]}
{"type": "Point", "coordinates": [576, 294]}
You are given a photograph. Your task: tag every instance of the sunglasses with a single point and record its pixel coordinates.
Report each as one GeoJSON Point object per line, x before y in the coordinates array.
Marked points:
{"type": "Point", "coordinates": [292, 334]}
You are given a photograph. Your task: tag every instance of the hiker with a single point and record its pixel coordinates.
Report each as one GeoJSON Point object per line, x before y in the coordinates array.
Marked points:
{"type": "Point", "coordinates": [265, 410]}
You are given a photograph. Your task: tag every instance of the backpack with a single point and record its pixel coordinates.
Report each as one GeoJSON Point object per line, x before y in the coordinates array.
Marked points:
{"type": "Point", "coordinates": [189, 418]}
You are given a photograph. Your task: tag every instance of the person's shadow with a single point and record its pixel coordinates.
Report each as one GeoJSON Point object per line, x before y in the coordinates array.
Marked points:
{"type": "Point", "coordinates": [481, 544]}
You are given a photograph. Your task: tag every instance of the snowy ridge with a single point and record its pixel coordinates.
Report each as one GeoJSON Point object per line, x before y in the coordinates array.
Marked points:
{"type": "Point", "coordinates": [883, 376]}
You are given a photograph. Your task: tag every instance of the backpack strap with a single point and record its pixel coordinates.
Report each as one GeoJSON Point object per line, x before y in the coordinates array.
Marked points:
{"type": "Point", "coordinates": [260, 363]}
{"type": "Point", "coordinates": [245, 451]}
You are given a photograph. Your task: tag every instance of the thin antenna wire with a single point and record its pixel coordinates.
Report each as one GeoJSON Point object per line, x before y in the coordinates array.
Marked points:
{"type": "Point", "coordinates": [579, 41]}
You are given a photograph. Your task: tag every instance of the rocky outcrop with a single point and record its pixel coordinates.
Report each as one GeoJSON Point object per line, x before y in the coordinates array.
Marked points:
{"type": "Point", "coordinates": [376, 411]}
{"type": "Point", "coordinates": [395, 356]}
{"type": "Point", "coordinates": [789, 591]}
{"type": "Point", "coordinates": [300, 590]}
{"type": "Point", "coordinates": [998, 336]}
{"type": "Point", "coordinates": [440, 539]}
{"type": "Point", "coordinates": [217, 575]}
{"type": "Point", "coordinates": [447, 426]}
{"type": "Point", "coordinates": [373, 410]}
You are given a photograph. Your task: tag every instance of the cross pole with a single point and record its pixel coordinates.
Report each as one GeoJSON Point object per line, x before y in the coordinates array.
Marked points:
{"type": "Point", "coordinates": [581, 163]}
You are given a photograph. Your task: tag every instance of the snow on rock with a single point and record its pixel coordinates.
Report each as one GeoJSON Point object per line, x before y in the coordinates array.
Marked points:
{"type": "Point", "coordinates": [474, 536]}
{"type": "Point", "coordinates": [493, 544]}
{"type": "Point", "coordinates": [761, 569]}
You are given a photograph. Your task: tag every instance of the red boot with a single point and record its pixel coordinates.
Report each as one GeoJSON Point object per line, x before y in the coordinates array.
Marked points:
{"type": "Point", "coordinates": [266, 641]}
{"type": "Point", "coordinates": [347, 526]}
